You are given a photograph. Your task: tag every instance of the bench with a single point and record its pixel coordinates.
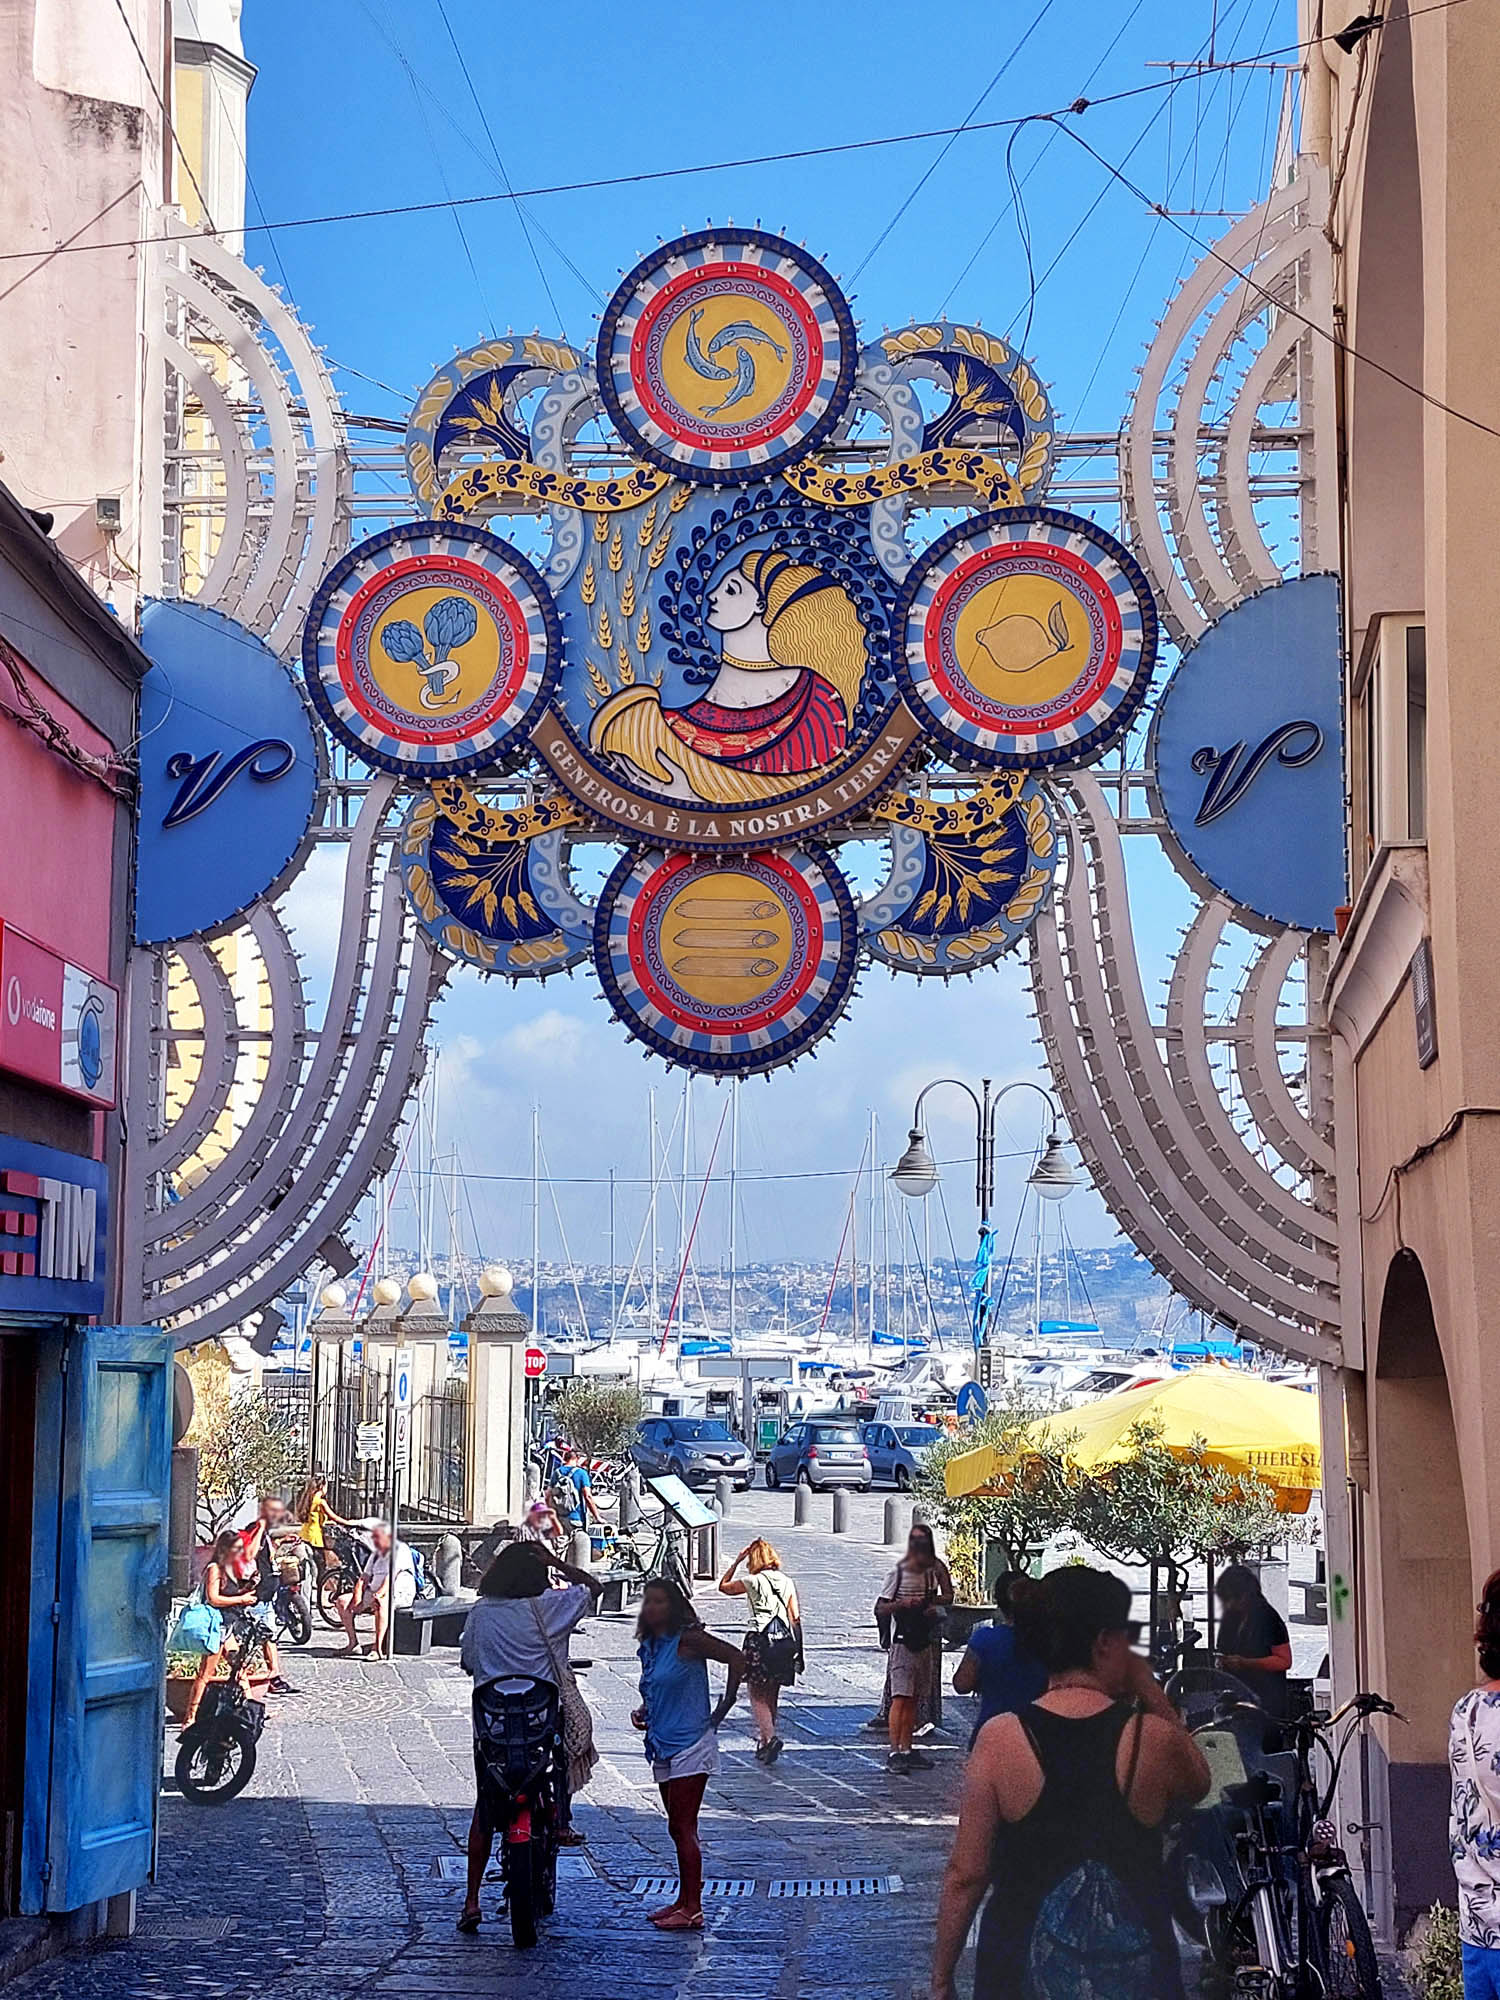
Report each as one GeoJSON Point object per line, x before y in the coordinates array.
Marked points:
{"type": "Point", "coordinates": [431, 1621]}
{"type": "Point", "coordinates": [1314, 1600]}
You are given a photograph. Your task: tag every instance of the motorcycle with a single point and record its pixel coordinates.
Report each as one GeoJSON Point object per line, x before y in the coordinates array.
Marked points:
{"type": "Point", "coordinates": [518, 1737]}
{"type": "Point", "coordinates": [216, 1755]}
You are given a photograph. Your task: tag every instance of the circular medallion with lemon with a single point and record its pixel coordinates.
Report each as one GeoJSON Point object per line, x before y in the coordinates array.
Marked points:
{"type": "Point", "coordinates": [1026, 637]}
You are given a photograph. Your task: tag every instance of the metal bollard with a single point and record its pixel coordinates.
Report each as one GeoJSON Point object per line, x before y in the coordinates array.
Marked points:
{"type": "Point", "coordinates": [630, 1505]}
{"type": "Point", "coordinates": [801, 1506]}
{"type": "Point", "coordinates": [840, 1511]}
{"type": "Point", "coordinates": [723, 1492]}
{"type": "Point", "coordinates": [580, 1549]}
{"type": "Point", "coordinates": [895, 1515]}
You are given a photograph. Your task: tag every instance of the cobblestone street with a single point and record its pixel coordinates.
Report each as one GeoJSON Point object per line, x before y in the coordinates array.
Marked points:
{"type": "Point", "coordinates": [340, 1870]}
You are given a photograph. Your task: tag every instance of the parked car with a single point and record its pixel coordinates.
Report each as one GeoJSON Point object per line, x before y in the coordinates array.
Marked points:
{"type": "Point", "coordinates": [695, 1449]}
{"type": "Point", "coordinates": [820, 1452]}
{"type": "Point", "coordinates": [898, 1451]}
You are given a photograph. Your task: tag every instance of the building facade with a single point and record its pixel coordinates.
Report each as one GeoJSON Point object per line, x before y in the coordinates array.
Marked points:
{"type": "Point", "coordinates": [84, 1404]}
{"type": "Point", "coordinates": [1402, 116]}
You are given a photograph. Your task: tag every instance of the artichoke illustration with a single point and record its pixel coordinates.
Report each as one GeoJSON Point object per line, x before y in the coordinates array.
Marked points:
{"type": "Point", "coordinates": [451, 623]}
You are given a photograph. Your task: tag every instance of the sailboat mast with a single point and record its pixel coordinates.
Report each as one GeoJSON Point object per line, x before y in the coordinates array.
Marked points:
{"type": "Point", "coordinates": [655, 1259]}
{"type": "Point", "coordinates": [870, 1246]}
{"type": "Point", "coordinates": [613, 1304]}
{"type": "Point", "coordinates": [734, 1169]}
{"type": "Point", "coordinates": [536, 1220]}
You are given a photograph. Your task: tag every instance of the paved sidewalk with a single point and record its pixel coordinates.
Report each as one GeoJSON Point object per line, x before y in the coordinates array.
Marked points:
{"type": "Point", "coordinates": [339, 1871]}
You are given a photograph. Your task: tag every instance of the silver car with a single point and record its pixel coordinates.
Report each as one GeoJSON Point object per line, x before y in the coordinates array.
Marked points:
{"type": "Point", "coordinates": [820, 1452]}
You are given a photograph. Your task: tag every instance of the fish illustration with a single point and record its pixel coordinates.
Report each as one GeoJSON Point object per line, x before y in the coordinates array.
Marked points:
{"type": "Point", "coordinates": [742, 329]}
{"type": "Point", "coordinates": [735, 335]}
{"type": "Point", "coordinates": [697, 360]}
{"type": "Point", "coordinates": [744, 382]}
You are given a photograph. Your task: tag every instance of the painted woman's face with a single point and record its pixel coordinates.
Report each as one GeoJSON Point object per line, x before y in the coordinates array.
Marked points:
{"type": "Point", "coordinates": [733, 603]}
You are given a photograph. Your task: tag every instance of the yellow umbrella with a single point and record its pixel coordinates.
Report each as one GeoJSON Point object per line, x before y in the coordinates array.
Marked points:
{"type": "Point", "coordinates": [1245, 1424]}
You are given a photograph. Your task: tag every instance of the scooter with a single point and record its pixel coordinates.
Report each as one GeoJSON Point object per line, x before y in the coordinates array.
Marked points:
{"type": "Point", "coordinates": [216, 1756]}
{"type": "Point", "coordinates": [518, 1736]}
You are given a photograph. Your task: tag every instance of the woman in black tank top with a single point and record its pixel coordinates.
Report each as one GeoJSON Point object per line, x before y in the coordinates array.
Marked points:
{"type": "Point", "coordinates": [1072, 1790]}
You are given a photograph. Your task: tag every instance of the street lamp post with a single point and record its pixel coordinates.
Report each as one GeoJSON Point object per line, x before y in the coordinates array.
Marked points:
{"type": "Point", "coordinates": [916, 1173]}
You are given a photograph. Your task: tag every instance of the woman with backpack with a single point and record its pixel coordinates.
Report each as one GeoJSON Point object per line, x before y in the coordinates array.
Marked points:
{"type": "Point", "coordinates": [773, 1645]}
{"type": "Point", "coordinates": [1062, 1812]}
{"type": "Point", "coordinates": [910, 1608]}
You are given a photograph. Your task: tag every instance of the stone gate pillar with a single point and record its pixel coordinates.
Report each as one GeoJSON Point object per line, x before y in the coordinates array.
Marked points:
{"type": "Point", "coordinates": [496, 1458]}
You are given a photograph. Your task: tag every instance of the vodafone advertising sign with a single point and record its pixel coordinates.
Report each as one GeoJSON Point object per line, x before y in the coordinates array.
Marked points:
{"type": "Point", "coordinates": [57, 1022]}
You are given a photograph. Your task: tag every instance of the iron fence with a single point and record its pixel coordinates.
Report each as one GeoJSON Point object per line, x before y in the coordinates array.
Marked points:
{"type": "Point", "coordinates": [434, 1483]}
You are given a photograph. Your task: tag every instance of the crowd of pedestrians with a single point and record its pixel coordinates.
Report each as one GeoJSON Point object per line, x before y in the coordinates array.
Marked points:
{"type": "Point", "coordinates": [1077, 1761]}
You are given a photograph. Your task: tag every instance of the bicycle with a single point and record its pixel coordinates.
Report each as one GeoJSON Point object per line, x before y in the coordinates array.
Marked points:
{"type": "Point", "coordinates": [649, 1552]}
{"type": "Point", "coordinates": [349, 1552]}
{"type": "Point", "coordinates": [1293, 1927]}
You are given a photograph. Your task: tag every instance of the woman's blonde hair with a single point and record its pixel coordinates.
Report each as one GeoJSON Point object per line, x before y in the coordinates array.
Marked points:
{"type": "Point", "coordinates": [760, 1555]}
{"type": "Point", "coordinates": [810, 622]}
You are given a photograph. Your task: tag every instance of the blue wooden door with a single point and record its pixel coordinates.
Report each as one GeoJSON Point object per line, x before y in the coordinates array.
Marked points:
{"type": "Point", "coordinates": [112, 1405]}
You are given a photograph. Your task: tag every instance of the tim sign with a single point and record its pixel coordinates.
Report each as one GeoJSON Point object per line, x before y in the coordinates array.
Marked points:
{"type": "Point", "coordinates": [53, 1230]}
{"type": "Point", "coordinates": [57, 1022]}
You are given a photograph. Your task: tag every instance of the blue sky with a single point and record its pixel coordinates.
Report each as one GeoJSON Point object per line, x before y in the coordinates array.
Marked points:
{"type": "Point", "coordinates": [365, 103]}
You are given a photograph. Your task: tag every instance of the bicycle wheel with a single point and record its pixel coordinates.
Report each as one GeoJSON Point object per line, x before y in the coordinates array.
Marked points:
{"type": "Point", "coordinates": [298, 1619]}
{"type": "Point", "coordinates": [1346, 1948]}
{"type": "Point", "coordinates": [330, 1589]}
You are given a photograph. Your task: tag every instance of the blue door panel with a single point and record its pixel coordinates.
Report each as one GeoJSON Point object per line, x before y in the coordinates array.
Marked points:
{"type": "Point", "coordinates": [110, 1552]}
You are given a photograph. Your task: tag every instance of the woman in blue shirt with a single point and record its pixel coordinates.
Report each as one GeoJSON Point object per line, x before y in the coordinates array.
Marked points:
{"type": "Point", "coordinates": [996, 1666]}
{"type": "Point", "coordinates": [680, 1726]}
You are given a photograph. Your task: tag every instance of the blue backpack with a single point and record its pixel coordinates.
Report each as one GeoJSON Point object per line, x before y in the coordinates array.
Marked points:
{"type": "Point", "coordinates": [1089, 1942]}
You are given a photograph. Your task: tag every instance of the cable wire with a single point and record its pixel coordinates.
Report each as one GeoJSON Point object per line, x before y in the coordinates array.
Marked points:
{"type": "Point", "coordinates": [1328, 333]}
{"type": "Point", "coordinates": [938, 159]}
{"type": "Point", "coordinates": [521, 215]}
{"type": "Point", "coordinates": [788, 155]}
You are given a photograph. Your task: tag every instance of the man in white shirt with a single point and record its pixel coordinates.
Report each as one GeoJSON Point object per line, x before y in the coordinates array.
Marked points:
{"type": "Point", "coordinates": [389, 1577]}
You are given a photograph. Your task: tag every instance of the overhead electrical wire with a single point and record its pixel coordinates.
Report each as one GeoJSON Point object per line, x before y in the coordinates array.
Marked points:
{"type": "Point", "coordinates": [1035, 22]}
{"type": "Point", "coordinates": [1000, 216]}
{"type": "Point", "coordinates": [521, 215]}
{"type": "Point", "coordinates": [1328, 333]}
{"type": "Point", "coordinates": [648, 176]}
{"type": "Point", "coordinates": [437, 158]}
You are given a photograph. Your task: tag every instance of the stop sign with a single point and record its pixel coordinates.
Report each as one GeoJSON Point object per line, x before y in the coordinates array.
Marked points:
{"type": "Point", "coordinates": [536, 1363]}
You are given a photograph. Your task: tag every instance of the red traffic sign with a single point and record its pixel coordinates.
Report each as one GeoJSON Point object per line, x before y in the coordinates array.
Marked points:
{"type": "Point", "coordinates": [536, 1363]}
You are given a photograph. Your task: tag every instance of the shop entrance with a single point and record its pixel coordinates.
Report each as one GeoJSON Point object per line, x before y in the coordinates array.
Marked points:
{"type": "Point", "coordinates": [18, 1363]}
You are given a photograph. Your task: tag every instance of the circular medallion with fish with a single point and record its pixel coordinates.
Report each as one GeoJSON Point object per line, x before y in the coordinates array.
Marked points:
{"type": "Point", "coordinates": [430, 650]}
{"type": "Point", "coordinates": [1025, 637]}
{"type": "Point", "coordinates": [725, 354]}
{"type": "Point", "coordinates": [726, 968]}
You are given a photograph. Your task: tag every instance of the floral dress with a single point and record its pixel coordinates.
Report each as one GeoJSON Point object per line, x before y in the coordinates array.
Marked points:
{"type": "Point", "coordinates": [1474, 1825]}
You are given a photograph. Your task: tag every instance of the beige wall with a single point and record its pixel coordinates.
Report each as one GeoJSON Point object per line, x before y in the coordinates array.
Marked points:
{"type": "Point", "coordinates": [80, 157]}
{"type": "Point", "coordinates": [1418, 281]}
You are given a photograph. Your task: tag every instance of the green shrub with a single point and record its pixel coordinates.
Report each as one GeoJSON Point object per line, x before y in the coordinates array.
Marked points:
{"type": "Point", "coordinates": [1433, 1957]}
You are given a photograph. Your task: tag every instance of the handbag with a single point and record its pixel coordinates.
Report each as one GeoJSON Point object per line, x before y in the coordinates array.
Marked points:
{"type": "Point", "coordinates": [199, 1627]}
{"type": "Point", "coordinates": [914, 1629]}
{"type": "Point", "coordinates": [577, 1722]}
